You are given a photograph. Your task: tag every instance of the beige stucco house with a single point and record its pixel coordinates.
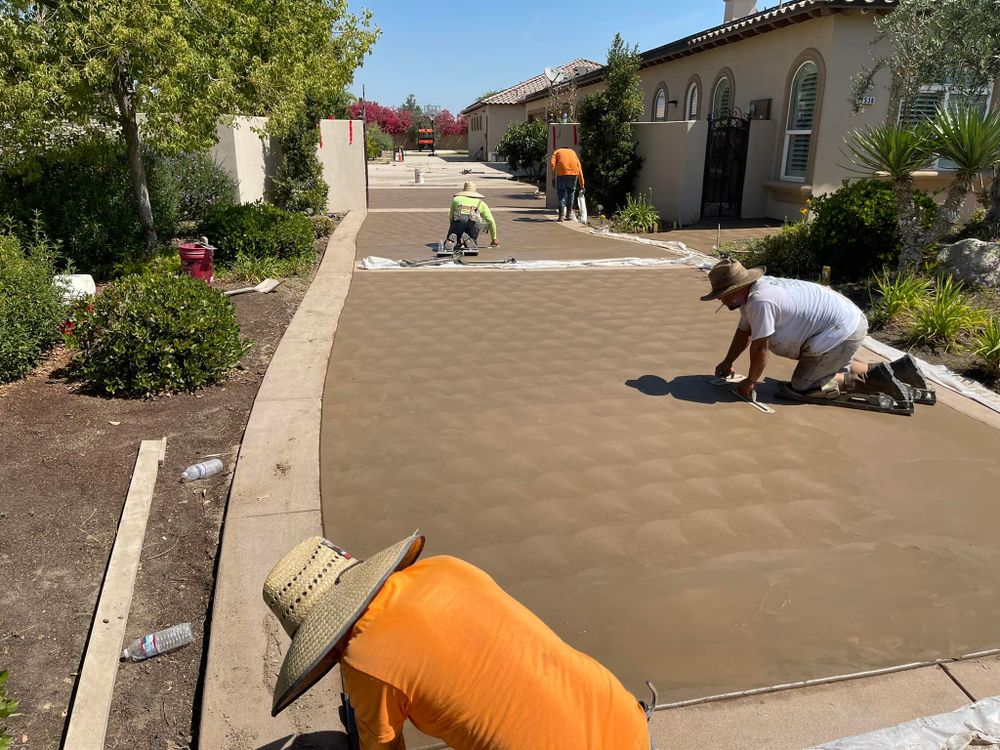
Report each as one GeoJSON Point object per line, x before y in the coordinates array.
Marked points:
{"type": "Point", "coordinates": [489, 117]}
{"type": "Point", "coordinates": [788, 71]}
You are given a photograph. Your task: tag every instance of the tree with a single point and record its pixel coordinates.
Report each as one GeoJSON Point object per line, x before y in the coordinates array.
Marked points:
{"type": "Point", "coordinates": [607, 144]}
{"type": "Point", "coordinates": [487, 94]}
{"type": "Point", "coordinates": [411, 106]}
{"type": "Point", "coordinates": [524, 147]}
{"type": "Point", "coordinates": [968, 137]}
{"type": "Point", "coordinates": [447, 124]}
{"type": "Point", "coordinates": [166, 72]}
{"type": "Point", "coordinates": [955, 43]}
{"type": "Point", "coordinates": [389, 120]}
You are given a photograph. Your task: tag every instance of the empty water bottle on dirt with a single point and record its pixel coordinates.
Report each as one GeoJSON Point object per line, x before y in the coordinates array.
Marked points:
{"type": "Point", "coordinates": [202, 470]}
{"type": "Point", "coordinates": [159, 642]}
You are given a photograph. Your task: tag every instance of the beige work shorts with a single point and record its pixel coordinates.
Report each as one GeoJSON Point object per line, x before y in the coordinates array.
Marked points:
{"type": "Point", "coordinates": [815, 371]}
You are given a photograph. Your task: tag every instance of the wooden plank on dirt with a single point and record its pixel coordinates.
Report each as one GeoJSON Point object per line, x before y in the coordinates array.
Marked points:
{"type": "Point", "coordinates": [88, 718]}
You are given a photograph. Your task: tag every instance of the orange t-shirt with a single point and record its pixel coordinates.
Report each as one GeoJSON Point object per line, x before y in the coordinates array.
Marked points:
{"type": "Point", "coordinates": [565, 162]}
{"type": "Point", "coordinates": [445, 647]}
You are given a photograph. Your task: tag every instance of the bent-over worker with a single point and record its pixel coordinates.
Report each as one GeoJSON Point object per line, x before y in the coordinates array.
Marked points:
{"type": "Point", "coordinates": [567, 172]}
{"type": "Point", "coordinates": [439, 643]}
{"type": "Point", "coordinates": [807, 322]}
{"type": "Point", "coordinates": [468, 210]}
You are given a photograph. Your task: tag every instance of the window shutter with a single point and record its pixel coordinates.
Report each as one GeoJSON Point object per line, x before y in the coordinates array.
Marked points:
{"type": "Point", "coordinates": [723, 97]}
{"type": "Point", "coordinates": [922, 107]}
{"type": "Point", "coordinates": [806, 86]}
{"type": "Point", "coordinates": [660, 105]}
{"type": "Point", "coordinates": [692, 103]}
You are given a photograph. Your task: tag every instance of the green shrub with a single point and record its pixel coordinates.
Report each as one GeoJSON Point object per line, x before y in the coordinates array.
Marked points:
{"type": "Point", "coordinates": [942, 317]}
{"type": "Point", "coordinates": [83, 197]}
{"type": "Point", "coordinates": [323, 226]}
{"type": "Point", "coordinates": [259, 230]}
{"type": "Point", "coordinates": [524, 147]}
{"type": "Point", "coordinates": [246, 268]}
{"type": "Point", "coordinates": [298, 183]}
{"type": "Point", "coordinates": [787, 253]}
{"type": "Point", "coordinates": [899, 294]}
{"type": "Point", "coordinates": [855, 230]}
{"type": "Point", "coordinates": [190, 184]}
{"type": "Point", "coordinates": [8, 708]}
{"type": "Point", "coordinates": [31, 306]}
{"type": "Point", "coordinates": [376, 141]}
{"type": "Point", "coordinates": [638, 216]}
{"type": "Point", "coordinates": [157, 333]}
{"type": "Point", "coordinates": [986, 344]}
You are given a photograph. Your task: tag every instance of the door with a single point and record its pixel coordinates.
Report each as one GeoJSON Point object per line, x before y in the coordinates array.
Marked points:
{"type": "Point", "coordinates": [725, 165]}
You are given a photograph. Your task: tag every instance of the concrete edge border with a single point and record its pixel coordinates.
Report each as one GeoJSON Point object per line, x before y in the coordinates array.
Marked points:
{"type": "Point", "coordinates": [273, 504]}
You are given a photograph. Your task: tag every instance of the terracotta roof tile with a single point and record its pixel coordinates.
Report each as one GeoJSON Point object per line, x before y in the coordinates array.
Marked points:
{"type": "Point", "coordinates": [520, 91]}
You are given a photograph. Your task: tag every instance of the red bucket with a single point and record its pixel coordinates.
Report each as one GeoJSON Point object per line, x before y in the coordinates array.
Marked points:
{"type": "Point", "coordinates": [196, 261]}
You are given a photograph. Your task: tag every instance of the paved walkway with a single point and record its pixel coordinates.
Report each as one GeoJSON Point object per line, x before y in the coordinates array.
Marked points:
{"type": "Point", "coordinates": [556, 429]}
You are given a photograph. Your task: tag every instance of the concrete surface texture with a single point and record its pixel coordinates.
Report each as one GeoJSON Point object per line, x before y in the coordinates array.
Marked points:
{"type": "Point", "coordinates": [558, 431]}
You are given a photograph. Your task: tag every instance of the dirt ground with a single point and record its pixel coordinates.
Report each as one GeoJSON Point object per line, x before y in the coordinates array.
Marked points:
{"type": "Point", "coordinates": [66, 459]}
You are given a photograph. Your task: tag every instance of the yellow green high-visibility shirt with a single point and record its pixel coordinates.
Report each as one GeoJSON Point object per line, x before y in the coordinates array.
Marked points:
{"type": "Point", "coordinates": [468, 203]}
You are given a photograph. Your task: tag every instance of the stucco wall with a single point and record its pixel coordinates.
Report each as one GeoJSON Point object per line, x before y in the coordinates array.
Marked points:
{"type": "Point", "coordinates": [251, 160]}
{"type": "Point", "coordinates": [673, 168]}
{"type": "Point", "coordinates": [477, 138]}
{"type": "Point", "coordinates": [342, 154]}
{"type": "Point", "coordinates": [498, 119]}
{"type": "Point", "coordinates": [561, 135]}
{"type": "Point", "coordinates": [246, 157]}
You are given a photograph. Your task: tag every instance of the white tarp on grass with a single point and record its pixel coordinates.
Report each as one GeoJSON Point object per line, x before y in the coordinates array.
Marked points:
{"type": "Point", "coordinates": [374, 263]}
{"type": "Point", "coordinates": [974, 726]}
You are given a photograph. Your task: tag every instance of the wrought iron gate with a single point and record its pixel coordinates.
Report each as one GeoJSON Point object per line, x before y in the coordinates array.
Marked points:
{"type": "Point", "coordinates": [725, 165]}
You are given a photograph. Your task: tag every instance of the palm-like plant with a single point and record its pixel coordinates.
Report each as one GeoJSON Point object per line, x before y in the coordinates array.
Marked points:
{"type": "Point", "coordinates": [897, 151]}
{"type": "Point", "coordinates": [970, 138]}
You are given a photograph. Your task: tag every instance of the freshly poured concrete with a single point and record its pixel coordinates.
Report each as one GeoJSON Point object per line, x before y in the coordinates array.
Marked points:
{"type": "Point", "coordinates": [556, 429]}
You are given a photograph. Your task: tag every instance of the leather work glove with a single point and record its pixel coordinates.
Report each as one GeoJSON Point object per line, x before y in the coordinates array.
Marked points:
{"type": "Point", "coordinates": [723, 370]}
{"type": "Point", "coordinates": [495, 243]}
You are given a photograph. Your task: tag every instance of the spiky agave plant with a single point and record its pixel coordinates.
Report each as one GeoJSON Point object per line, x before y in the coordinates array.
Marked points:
{"type": "Point", "coordinates": [897, 151]}
{"type": "Point", "coordinates": [970, 138]}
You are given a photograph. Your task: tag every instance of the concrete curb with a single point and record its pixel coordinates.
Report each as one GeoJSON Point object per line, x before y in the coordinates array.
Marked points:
{"type": "Point", "coordinates": [274, 503]}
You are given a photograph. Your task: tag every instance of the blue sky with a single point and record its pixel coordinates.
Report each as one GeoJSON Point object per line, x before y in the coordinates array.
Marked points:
{"type": "Point", "coordinates": [449, 54]}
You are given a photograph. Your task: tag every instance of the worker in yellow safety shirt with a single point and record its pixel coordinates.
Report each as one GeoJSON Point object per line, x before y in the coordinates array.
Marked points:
{"type": "Point", "coordinates": [439, 643]}
{"type": "Point", "coordinates": [468, 211]}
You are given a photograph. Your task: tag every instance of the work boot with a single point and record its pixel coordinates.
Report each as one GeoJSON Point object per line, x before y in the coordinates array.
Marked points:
{"type": "Point", "coordinates": [572, 215]}
{"type": "Point", "coordinates": [829, 391]}
{"type": "Point", "coordinates": [906, 371]}
{"type": "Point", "coordinates": [560, 214]}
{"type": "Point", "coordinates": [879, 379]}
{"type": "Point", "coordinates": [471, 246]}
{"type": "Point", "coordinates": [449, 244]}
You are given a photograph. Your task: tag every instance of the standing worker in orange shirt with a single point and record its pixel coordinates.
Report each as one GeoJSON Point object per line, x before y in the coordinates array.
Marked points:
{"type": "Point", "coordinates": [439, 643]}
{"type": "Point", "coordinates": [566, 173]}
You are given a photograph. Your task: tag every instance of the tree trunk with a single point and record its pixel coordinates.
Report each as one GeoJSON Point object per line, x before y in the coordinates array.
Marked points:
{"type": "Point", "coordinates": [993, 216]}
{"type": "Point", "coordinates": [137, 171]}
{"type": "Point", "coordinates": [909, 227]}
{"type": "Point", "coordinates": [950, 211]}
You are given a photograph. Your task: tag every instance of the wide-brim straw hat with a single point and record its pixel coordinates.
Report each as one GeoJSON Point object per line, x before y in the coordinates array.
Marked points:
{"type": "Point", "coordinates": [728, 276]}
{"type": "Point", "coordinates": [469, 189]}
{"type": "Point", "coordinates": [318, 592]}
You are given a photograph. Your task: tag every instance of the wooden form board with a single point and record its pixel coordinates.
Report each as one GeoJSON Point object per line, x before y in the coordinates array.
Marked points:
{"type": "Point", "coordinates": [88, 718]}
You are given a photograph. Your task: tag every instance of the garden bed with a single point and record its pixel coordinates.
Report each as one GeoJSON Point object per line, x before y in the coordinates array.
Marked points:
{"type": "Point", "coordinates": [67, 462]}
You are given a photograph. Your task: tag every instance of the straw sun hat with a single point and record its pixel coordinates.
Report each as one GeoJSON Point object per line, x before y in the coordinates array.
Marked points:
{"type": "Point", "coordinates": [469, 189]}
{"type": "Point", "coordinates": [728, 276]}
{"type": "Point", "coordinates": [318, 591]}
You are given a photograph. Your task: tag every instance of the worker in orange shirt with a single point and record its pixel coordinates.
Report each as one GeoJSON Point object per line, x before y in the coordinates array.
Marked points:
{"type": "Point", "coordinates": [439, 643]}
{"type": "Point", "coordinates": [567, 172]}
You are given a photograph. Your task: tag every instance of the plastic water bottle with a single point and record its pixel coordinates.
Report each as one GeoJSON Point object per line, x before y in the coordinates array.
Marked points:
{"type": "Point", "coordinates": [159, 642]}
{"type": "Point", "coordinates": [202, 470]}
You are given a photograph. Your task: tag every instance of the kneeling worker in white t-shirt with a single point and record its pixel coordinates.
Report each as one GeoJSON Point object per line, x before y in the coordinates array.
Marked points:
{"type": "Point", "coordinates": [812, 324]}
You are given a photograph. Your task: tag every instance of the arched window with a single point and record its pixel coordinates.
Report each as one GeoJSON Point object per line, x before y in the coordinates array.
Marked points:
{"type": "Point", "coordinates": [691, 102]}
{"type": "Point", "coordinates": [722, 99]}
{"type": "Point", "coordinates": [660, 104]}
{"type": "Point", "coordinates": [798, 133]}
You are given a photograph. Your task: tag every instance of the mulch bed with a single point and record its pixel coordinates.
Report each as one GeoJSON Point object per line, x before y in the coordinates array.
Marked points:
{"type": "Point", "coordinates": [66, 459]}
{"type": "Point", "coordinates": [957, 358]}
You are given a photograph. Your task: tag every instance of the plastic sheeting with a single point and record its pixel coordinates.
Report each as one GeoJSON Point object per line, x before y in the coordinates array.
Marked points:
{"type": "Point", "coordinates": [974, 726]}
{"type": "Point", "coordinates": [374, 263]}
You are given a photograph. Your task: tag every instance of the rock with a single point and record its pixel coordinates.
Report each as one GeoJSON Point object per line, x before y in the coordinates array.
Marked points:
{"type": "Point", "coordinates": [973, 261]}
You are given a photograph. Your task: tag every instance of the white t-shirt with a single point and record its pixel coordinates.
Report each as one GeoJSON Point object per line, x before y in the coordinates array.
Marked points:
{"type": "Point", "coordinates": [802, 318]}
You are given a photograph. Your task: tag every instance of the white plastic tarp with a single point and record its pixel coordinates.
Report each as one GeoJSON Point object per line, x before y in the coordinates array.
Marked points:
{"type": "Point", "coordinates": [374, 263]}
{"type": "Point", "coordinates": [974, 726]}
{"type": "Point", "coordinates": [75, 285]}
